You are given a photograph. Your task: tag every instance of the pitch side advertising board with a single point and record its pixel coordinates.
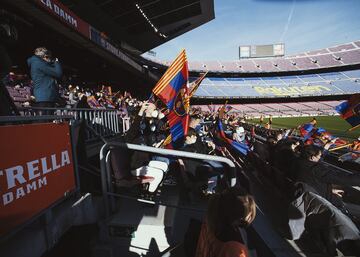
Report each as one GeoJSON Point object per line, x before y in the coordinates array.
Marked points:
{"type": "Point", "coordinates": [36, 170]}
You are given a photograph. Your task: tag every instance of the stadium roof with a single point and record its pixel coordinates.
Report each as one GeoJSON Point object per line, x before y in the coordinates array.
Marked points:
{"type": "Point", "coordinates": [144, 24]}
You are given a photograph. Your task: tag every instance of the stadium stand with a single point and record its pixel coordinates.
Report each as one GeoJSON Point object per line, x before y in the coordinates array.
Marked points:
{"type": "Point", "coordinates": [331, 83]}
{"type": "Point", "coordinates": [121, 219]}
{"type": "Point", "coordinates": [280, 109]}
{"type": "Point", "coordinates": [336, 56]}
{"type": "Point", "coordinates": [19, 95]}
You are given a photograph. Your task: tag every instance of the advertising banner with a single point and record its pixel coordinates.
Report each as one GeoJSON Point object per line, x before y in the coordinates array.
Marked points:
{"type": "Point", "coordinates": [97, 37]}
{"type": "Point", "coordinates": [36, 170]}
{"type": "Point", "coordinates": [63, 13]}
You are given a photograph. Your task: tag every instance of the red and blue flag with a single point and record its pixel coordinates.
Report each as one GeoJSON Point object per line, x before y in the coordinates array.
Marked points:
{"type": "Point", "coordinates": [350, 110]}
{"type": "Point", "coordinates": [172, 89]}
{"type": "Point", "coordinates": [306, 130]}
{"type": "Point", "coordinates": [239, 147]}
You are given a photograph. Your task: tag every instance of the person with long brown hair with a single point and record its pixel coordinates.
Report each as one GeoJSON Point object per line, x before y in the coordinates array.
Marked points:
{"type": "Point", "coordinates": [228, 213]}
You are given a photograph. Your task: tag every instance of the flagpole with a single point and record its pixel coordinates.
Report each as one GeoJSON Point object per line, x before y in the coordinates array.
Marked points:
{"type": "Point", "coordinates": [197, 84]}
{"type": "Point", "coordinates": [353, 128]}
{"type": "Point", "coordinates": [340, 147]}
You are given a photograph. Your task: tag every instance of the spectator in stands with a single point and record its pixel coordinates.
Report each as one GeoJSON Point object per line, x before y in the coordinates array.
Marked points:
{"type": "Point", "coordinates": [313, 121]}
{"type": "Point", "coordinates": [7, 106]}
{"type": "Point", "coordinates": [222, 233]}
{"type": "Point", "coordinates": [239, 134]}
{"type": "Point", "coordinates": [319, 178]}
{"type": "Point", "coordinates": [72, 95]}
{"type": "Point", "coordinates": [141, 163]}
{"type": "Point", "coordinates": [82, 103]}
{"type": "Point", "coordinates": [197, 174]}
{"type": "Point", "coordinates": [193, 143]}
{"type": "Point", "coordinates": [271, 142]}
{"type": "Point", "coordinates": [286, 152]}
{"type": "Point", "coordinates": [278, 135]}
{"type": "Point", "coordinates": [44, 71]}
{"type": "Point", "coordinates": [261, 119]}
{"type": "Point", "coordinates": [195, 121]}
{"type": "Point", "coordinates": [324, 223]}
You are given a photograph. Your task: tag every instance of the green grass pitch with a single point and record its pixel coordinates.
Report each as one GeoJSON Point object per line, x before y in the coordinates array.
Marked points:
{"type": "Point", "coordinates": [334, 124]}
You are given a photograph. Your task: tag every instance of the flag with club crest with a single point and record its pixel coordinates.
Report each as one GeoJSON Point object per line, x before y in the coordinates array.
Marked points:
{"type": "Point", "coordinates": [172, 89]}
{"type": "Point", "coordinates": [350, 111]}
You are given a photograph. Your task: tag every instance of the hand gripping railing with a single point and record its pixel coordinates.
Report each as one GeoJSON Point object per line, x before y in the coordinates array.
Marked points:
{"type": "Point", "coordinates": [105, 166]}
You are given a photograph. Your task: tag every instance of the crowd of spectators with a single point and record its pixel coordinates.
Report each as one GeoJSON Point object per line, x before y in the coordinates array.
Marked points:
{"type": "Point", "coordinates": [314, 189]}
{"type": "Point", "coordinates": [297, 163]}
{"type": "Point", "coordinates": [308, 183]}
{"type": "Point", "coordinates": [20, 87]}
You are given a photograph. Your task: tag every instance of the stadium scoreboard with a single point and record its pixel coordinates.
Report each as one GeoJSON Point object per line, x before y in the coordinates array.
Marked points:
{"type": "Point", "coordinates": [258, 51]}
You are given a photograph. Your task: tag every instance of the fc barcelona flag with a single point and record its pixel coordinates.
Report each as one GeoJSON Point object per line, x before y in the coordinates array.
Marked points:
{"type": "Point", "coordinates": [306, 129]}
{"type": "Point", "coordinates": [174, 79]}
{"type": "Point", "coordinates": [350, 110]}
{"type": "Point", "coordinates": [173, 91]}
{"type": "Point", "coordinates": [239, 147]}
{"type": "Point", "coordinates": [91, 100]}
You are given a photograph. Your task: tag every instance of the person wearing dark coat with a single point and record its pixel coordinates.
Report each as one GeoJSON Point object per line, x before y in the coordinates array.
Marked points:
{"type": "Point", "coordinates": [311, 171]}
{"type": "Point", "coordinates": [315, 215]}
{"type": "Point", "coordinates": [44, 74]}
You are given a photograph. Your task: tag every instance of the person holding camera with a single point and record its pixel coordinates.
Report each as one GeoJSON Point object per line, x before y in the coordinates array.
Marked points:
{"type": "Point", "coordinates": [44, 71]}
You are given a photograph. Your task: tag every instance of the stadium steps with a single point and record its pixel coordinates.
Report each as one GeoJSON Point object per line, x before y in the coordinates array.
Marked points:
{"type": "Point", "coordinates": [145, 229]}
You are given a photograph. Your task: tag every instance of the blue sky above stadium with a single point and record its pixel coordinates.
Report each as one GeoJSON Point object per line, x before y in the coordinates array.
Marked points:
{"type": "Point", "coordinates": [301, 24]}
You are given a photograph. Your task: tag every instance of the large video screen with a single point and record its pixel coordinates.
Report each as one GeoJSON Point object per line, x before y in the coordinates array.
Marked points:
{"type": "Point", "coordinates": [258, 51]}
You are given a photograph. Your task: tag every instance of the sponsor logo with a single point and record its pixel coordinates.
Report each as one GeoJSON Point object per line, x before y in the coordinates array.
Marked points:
{"type": "Point", "coordinates": [25, 178]}
{"type": "Point", "coordinates": [63, 14]}
{"type": "Point", "coordinates": [291, 90]}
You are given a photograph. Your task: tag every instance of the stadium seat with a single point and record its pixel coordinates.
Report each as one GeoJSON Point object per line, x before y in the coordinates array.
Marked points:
{"type": "Point", "coordinates": [120, 164]}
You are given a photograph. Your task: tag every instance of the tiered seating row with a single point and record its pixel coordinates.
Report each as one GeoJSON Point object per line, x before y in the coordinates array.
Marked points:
{"type": "Point", "coordinates": [19, 95]}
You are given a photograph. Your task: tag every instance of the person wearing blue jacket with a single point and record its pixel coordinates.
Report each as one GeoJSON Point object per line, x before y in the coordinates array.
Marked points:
{"type": "Point", "coordinates": [44, 72]}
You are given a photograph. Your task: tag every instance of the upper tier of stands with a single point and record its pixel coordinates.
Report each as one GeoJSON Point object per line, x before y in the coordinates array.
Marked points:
{"type": "Point", "coordinates": [336, 56]}
{"type": "Point", "coordinates": [331, 83]}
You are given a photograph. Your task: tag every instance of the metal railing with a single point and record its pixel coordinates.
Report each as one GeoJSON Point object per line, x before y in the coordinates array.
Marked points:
{"type": "Point", "coordinates": [104, 122]}
{"type": "Point", "coordinates": [106, 169]}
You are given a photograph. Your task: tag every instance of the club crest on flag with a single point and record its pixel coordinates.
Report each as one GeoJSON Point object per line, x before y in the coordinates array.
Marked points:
{"type": "Point", "coordinates": [180, 107]}
{"type": "Point", "coordinates": [172, 89]}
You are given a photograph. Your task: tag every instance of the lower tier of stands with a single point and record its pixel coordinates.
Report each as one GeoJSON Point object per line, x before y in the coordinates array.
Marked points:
{"type": "Point", "coordinates": [280, 109]}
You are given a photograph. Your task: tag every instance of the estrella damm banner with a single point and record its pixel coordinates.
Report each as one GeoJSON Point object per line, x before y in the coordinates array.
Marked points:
{"type": "Point", "coordinates": [36, 170]}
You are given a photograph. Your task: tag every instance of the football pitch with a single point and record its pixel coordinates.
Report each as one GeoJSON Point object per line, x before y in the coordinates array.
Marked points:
{"type": "Point", "coordinates": [333, 124]}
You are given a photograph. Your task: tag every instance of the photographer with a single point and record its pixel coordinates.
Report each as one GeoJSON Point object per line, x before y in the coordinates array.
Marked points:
{"type": "Point", "coordinates": [44, 71]}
